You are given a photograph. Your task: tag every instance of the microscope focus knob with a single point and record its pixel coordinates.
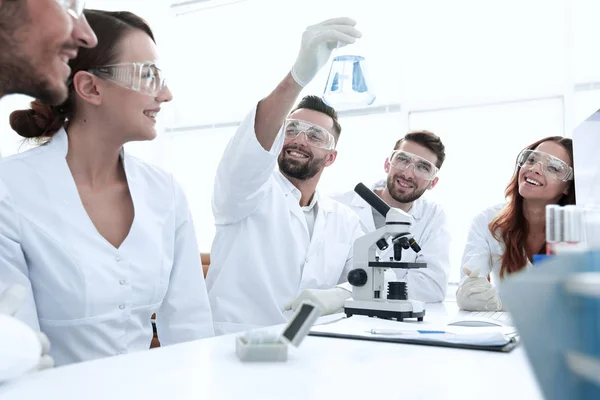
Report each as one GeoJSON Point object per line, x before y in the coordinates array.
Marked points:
{"type": "Point", "coordinates": [357, 277]}
{"type": "Point", "coordinates": [414, 245]}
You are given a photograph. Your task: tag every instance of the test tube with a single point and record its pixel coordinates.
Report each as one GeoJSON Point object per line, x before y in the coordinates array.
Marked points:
{"type": "Point", "coordinates": [571, 224]}
{"type": "Point", "coordinates": [553, 227]}
{"type": "Point", "coordinates": [590, 220]}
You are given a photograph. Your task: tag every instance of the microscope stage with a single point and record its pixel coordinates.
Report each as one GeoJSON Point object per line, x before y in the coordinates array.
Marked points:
{"type": "Point", "coordinates": [390, 309]}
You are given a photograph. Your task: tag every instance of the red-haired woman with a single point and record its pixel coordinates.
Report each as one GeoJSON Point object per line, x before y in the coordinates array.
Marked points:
{"type": "Point", "coordinates": [503, 239]}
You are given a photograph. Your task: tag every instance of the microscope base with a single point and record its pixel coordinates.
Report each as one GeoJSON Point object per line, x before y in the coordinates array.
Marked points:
{"type": "Point", "coordinates": [391, 309]}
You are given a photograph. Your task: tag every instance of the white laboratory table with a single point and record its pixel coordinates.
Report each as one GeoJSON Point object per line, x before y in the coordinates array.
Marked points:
{"type": "Point", "coordinates": [320, 368]}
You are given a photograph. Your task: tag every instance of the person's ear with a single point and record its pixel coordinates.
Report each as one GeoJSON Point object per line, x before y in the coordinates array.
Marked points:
{"type": "Point", "coordinates": [331, 158]}
{"type": "Point", "coordinates": [432, 183]}
{"type": "Point", "coordinates": [87, 87]}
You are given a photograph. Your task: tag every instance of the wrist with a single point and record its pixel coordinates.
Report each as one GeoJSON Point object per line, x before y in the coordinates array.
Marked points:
{"type": "Point", "coordinates": [296, 79]}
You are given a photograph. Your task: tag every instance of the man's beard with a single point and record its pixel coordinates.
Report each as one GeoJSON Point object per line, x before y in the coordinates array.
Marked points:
{"type": "Point", "coordinates": [17, 72]}
{"type": "Point", "coordinates": [298, 169]}
{"type": "Point", "coordinates": [403, 197]}
{"type": "Point", "coordinates": [16, 77]}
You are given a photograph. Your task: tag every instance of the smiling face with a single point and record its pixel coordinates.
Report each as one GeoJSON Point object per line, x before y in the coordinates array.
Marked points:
{"type": "Point", "coordinates": [299, 159]}
{"type": "Point", "coordinates": [130, 113]}
{"type": "Point", "coordinates": [536, 182]}
{"type": "Point", "coordinates": [404, 185]}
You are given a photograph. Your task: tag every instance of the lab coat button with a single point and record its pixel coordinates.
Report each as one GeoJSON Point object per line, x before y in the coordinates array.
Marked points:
{"type": "Point", "coordinates": [122, 281]}
{"type": "Point", "coordinates": [118, 258]}
{"type": "Point", "coordinates": [121, 306]}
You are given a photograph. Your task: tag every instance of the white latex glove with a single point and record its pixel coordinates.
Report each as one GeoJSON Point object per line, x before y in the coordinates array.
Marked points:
{"type": "Point", "coordinates": [21, 348]}
{"type": "Point", "coordinates": [329, 300]}
{"type": "Point", "coordinates": [318, 41]}
{"type": "Point", "coordinates": [477, 293]}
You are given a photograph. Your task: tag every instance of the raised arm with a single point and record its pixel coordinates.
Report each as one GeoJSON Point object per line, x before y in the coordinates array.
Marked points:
{"type": "Point", "coordinates": [243, 175]}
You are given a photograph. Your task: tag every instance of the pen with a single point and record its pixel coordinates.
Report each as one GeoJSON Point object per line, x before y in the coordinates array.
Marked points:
{"type": "Point", "coordinates": [399, 332]}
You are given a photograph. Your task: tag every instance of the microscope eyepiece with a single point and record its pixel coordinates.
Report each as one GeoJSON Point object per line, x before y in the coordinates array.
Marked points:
{"type": "Point", "coordinates": [382, 244]}
{"type": "Point", "coordinates": [370, 197]}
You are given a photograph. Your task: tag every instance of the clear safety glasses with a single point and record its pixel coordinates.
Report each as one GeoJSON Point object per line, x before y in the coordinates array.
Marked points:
{"type": "Point", "coordinates": [143, 77]}
{"type": "Point", "coordinates": [552, 167]}
{"type": "Point", "coordinates": [315, 135]}
{"type": "Point", "coordinates": [423, 168]}
{"type": "Point", "coordinates": [73, 7]}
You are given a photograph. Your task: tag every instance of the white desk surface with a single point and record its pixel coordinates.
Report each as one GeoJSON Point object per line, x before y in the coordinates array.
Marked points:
{"type": "Point", "coordinates": [320, 368]}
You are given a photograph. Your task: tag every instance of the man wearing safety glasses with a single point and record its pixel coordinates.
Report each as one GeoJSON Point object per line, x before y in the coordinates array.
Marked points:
{"type": "Point", "coordinates": [277, 240]}
{"type": "Point", "coordinates": [412, 168]}
{"type": "Point", "coordinates": [37, 40]}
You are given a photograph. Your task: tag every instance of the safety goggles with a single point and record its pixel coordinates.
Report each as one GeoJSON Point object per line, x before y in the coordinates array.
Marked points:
{"type": "Point", "coordinates": [144, 77]}
{"type": "Point", "coordinates": [315, 135]}
{"type": "Point", "coordinates": [552, 167]}
{"type": "Point", "coordinates": [73, 7]}
{"type": "Point", "coordinates": [423, 168]}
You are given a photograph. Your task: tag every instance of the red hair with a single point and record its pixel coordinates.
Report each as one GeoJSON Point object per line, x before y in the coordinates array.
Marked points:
{"type": "Point", "coordinates": [510, 225]}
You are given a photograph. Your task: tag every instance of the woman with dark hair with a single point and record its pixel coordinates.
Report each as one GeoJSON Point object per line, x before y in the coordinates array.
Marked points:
{"type": "Point", "coordinates": [503, 239]}
{"type": "Point", "coordinates": [101, 239]}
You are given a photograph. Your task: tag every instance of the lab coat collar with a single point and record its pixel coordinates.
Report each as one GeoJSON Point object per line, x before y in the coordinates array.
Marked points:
{"type": "Point", "coordinates": [416, 210]}
{"type": "Point", "coordinates": [66, 189]}
{"type": "Point", "coordinates": [289, 188]}
{"type": "Point", "coordinates": [59, 142]}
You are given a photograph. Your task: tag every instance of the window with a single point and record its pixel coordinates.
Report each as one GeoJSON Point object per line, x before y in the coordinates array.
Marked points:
{"type": "Point", "coordinates": [482, 144]}
{"type": "Point", "coordinates": [469, 52]}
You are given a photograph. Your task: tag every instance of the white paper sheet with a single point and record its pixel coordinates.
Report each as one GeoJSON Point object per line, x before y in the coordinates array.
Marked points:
{"type": "Point", "coordinates": [361, 326]}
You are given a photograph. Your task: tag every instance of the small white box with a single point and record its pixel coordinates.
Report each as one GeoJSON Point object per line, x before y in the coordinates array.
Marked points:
{"type": "Point", "coordinates": [265, 346]}
{"type": "Point", "coordinates": [274, 351]}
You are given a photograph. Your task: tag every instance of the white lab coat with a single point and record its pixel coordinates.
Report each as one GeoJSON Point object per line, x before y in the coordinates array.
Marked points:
{"type": "Point", "coordinates": [91, 299]}
{"type": "Point", "coordinates": [431, 233]}
{"type": "Point", "coordinates": [482, 250]}
{"type": "Point", "coordinates": [262, 255]}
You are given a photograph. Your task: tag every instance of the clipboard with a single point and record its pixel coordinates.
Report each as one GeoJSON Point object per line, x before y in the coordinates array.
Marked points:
{"type": "Point", "coordinates": [354, 333]}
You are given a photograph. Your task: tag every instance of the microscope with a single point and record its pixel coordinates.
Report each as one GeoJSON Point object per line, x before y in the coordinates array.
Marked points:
{"type": "Point", "coordinates": [369, 295]}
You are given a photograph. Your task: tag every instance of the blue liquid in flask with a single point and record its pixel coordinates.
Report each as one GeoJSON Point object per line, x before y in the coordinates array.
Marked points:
{"type": "Point", "coordinates": [347, 85]}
